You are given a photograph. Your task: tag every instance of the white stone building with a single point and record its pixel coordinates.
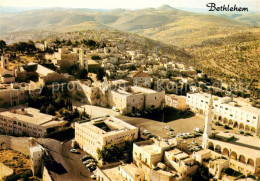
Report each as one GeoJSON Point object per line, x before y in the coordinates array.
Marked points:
{"type": "Point", "coordinates": [120, 173]}
{"type": "Point", "coordinates": [175, 101]}
{"type": "Point", "coordinates": [235, 151]}
{"type": "Point", "coordinates": [235, 112]}
{"type": "Point", "coordinates": [142, 79]}
{"type": "Point", "coordinates": [29, 122]}
{"type": "Point", "coordinates": [100, 132]}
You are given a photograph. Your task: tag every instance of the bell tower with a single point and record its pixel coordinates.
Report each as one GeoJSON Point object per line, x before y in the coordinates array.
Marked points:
{"type": "Point", "coordinates": [4, 61]}
{"type": "Point", "coordinates": [208, 124]}
{"type": "Point", "coordinates": [83, 61]}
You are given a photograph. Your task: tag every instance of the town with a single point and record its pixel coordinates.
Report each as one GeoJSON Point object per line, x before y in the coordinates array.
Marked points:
{"type": "Point", "coordinates": [102, 110]}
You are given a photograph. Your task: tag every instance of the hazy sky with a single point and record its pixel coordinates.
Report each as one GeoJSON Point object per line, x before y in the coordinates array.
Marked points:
{"type": "Point", "coordinates": [128, 4]}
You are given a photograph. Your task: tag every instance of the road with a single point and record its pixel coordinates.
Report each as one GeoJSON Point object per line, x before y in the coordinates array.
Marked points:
{"type": "Point", "coordinates": [74, 170]}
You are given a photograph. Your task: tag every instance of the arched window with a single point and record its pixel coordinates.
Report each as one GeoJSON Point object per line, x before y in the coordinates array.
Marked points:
{"type": "Point", "coordinates": [225, 152]}
{"type": "Point", "coordinates": [242, 159]}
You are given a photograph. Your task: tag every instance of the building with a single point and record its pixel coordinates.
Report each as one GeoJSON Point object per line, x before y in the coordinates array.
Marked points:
{"type": "Point", "coordinates": [83, 60]}
{"type": "Point", "coordinates": [6, 76]}
{"type": "Point", "coordinates": [47, 76]}
{"type": "Point", "coordinates": [120, 173]}
{"type": "Point", "coordinates": [228, 150]}
{"type": "Point", "coordinates": [125, 98]}
{"type": "Point", "coordinates": [12, 97]}
{"type": "Point", "coordinates": [29, 122]}
{"type": "Point", "coordinates": [142, 79]}
{"type": "Point", "coordinates": [147, 154]}
{"type": "Point", "coordinates": [135, 99]}
{"type": "Point", "coordinates": [175, 101]}
{"type": "Point", "coordinates": [100, 132]}
{"type": "Point", "coordinates": [235, 112]}
{"type": "Point", "coordinates": [4, 61]}
{"type": "Point", "coordinates": [181, 162]}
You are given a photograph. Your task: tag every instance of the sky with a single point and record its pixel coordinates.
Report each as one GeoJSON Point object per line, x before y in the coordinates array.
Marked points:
{"type": "Point", "coordinates": [127, 4]}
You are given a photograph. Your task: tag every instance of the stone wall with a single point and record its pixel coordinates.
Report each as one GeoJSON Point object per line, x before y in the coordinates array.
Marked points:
{"type": "Point", "coordinates": [19, 144]}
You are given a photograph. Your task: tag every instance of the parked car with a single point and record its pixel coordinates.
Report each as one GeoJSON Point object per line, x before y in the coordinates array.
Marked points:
{"type": "Point", "coordinates": [194, 143]}
{"type": "Point", "coordinates": [93, 177]}
{"type": "Point", "coordinates": [198, 130]}
{"type": "Point", "coordinates": [92, 168]}
{"type": "Point", "coordinates": [91, 164]}
{"type": "Point", "coordinates": [86, 157]}
{"type": "Point", "coordinates": [168, 128]}
{"type": "Point", "coordinates": [74, 151]}
{"type": "Point", "coordinates": [189, 135]}
{"type": "Point", "coordinates": [115, 109]}
{"type": "Point", "coordinates": [138, 114]}
{"type": "Point", "coordinates": [88, 161]}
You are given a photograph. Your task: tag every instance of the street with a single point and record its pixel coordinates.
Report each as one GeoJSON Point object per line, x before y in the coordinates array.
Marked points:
{"type": "Point", "coordinates": [74, 169]}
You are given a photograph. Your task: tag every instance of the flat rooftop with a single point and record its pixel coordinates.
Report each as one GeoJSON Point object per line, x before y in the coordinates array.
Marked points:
{"type": "Point", "coordinates": [33, 116]}
{"type": "Point", "coordinates": [148, 146]}
{"type": "Point", "coordinates": [114, 174]}
{"type": "Point", "coordinates": [237, 103]}
{"type": "Point", "coordinates": [179, 154]}
{"type": "Point", "coordinates": [132, 170]}
{"type": "Point", "coordinates": [107, 125]}
{"type": "Point", "coordinates": [248, 145]}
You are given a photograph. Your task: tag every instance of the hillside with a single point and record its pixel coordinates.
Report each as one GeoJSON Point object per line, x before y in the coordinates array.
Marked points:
{"type": "Point", "coordinates": [236, 56]}
{"type": "Point", "coordinates": [165, 23]}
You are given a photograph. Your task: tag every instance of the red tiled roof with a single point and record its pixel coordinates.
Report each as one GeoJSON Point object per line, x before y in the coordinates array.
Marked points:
{"type": "Point", "coordinates": [141, 74]}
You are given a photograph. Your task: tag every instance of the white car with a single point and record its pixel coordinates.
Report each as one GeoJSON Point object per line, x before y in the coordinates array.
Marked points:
{"type": "Point", "coordinates": [198, 130]}
{"type": "Point", "coordinates": [189, 135]}
{"type": "Point", "coordinates": [74, 151]}
{"type": "Point", "coordinates": [115, 109]}
{"type": "Point", "coordinates": [194, 143]}
{"type": "Point", "coordinates": [91, 164]}
{"type": "Point", "coordinates": [138, 114]}
{"type": "Point", "coordinates": [93, 177]}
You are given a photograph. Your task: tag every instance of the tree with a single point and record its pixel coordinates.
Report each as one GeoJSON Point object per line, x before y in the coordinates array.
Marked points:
{"type": "Point", "coordinates": [2, 44]}
{"type": "Point", "coordinates": [100, 74]}
{"type": "Point", "coordinates": [81, 74]}
{"type": "Point", "coordinates": [43, 109]}
{"type": "Point", "coordinates": [50, 110]}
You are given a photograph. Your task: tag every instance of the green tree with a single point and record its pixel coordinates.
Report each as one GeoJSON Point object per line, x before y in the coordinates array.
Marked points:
{"type": "Point", "coordinates": [100, 74]}
{"type": "Point", "coordinates": [43, 109]}
{"type": "Point", "coordinates": [2, 44]}
{"type": "Point", "coordinates": [50, 110]}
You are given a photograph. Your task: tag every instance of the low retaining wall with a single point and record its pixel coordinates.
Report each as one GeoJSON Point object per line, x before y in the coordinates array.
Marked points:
{"type": "Point", "coordinates": [19, 144]}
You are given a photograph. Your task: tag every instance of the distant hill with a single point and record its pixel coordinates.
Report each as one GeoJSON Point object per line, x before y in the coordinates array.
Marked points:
{"type": "Point", "coordinates": [165, 23]}
{"type": "Point", "coordinates": [248, 18]}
